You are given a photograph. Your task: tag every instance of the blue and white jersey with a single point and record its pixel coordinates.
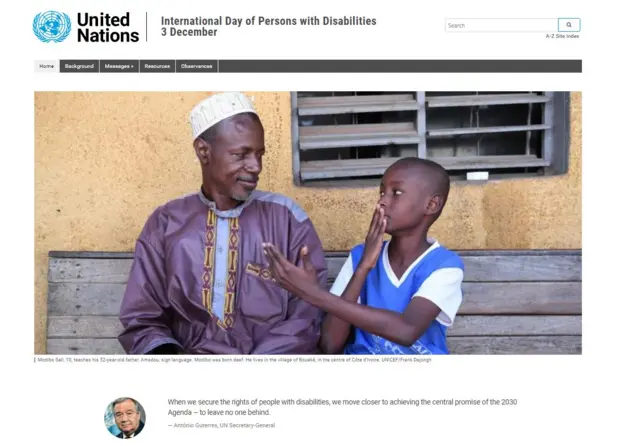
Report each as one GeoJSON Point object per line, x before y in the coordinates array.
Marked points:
{"type": "Point", "coordinates": [436, 275]}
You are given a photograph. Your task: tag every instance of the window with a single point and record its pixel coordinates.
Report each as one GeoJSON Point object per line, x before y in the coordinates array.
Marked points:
{"type": "Point", "coordinates": [352, 137]}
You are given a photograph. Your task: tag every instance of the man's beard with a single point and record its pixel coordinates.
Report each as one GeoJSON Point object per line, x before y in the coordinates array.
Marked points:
{"type": "Point", "coordinates": [241, 196]}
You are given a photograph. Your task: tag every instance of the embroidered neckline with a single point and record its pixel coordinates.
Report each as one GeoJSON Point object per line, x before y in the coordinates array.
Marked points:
{"type": "Point", "coordinates": [230, 213]}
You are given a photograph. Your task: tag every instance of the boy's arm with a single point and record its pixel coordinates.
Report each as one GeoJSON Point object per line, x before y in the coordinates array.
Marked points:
{"type": "Point", "coordinates": [438, 298]}
{"type": "Point", "coordinates": [402, 328]}
{"type": "Point", "coordinates": [440, 293]}
{"type": "Point", "coordinates": [348, 284]}
{"type": "Point", "coordinates": [335, 330]}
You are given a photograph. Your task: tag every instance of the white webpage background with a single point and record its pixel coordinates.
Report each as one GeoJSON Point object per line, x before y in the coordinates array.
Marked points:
{"type": "Point", "coordinates": [563, 400]}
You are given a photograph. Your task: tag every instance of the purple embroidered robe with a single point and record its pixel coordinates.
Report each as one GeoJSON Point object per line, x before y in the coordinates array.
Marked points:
{"type": "Point", "coordinates": [199, 279]}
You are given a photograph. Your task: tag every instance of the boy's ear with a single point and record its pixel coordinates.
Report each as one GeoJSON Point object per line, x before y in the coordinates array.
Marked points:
{"type": "Point", "coordinates": [434, 205]}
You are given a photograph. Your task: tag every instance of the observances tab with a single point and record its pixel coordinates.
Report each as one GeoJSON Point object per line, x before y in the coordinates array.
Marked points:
{"type": "Point", "coordinates": [196, 66]}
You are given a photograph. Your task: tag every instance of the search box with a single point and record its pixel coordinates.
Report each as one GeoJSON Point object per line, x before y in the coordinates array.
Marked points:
{"type": "Point", "coordinates": [512, 25]}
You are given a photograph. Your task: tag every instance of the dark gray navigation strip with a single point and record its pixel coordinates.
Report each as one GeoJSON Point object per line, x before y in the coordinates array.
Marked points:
{"type": "Point", "coordinates": [324, 66]}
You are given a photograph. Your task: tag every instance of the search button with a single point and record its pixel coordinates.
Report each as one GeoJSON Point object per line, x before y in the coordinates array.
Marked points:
{"type": "Point", "coordinates": [569, 25]}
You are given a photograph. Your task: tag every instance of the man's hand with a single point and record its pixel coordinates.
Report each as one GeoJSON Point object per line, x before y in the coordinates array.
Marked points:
{"type": "Point", "coordinates": [296, 280]}
{"type": "Point", "coordinates": [373, 242]}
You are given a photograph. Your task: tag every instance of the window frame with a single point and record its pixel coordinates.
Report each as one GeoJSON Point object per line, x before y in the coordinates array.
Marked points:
{"type": "Point", "coordinates": [555, 143]}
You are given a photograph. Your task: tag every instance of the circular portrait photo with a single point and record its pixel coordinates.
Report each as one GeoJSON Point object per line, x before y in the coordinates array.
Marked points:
{"type": "Point", "coordinates": [125, 418]}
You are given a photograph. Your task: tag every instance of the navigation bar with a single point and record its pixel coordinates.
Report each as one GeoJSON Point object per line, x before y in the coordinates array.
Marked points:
{"type": "Point", "coordinates": [320, 66]}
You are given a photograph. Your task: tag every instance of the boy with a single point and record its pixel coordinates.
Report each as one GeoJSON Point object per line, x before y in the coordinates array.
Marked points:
{"type": "Point", "coordinates": [401, 295]}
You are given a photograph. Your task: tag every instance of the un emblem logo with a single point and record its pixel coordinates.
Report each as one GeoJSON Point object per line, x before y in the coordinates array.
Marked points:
{"type": "Point", "coordinates": [51, 26]}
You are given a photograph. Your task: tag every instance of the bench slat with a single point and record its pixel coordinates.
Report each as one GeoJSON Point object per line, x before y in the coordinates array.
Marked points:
{"type": "Point", "coordinates": [110, 327]}
{"type": "Point", "coordinates": [516, 345]}
{"type": "Point", "coordinates": [480, 345]}
{"type": "Point", "coordinates": [95, 299]}
{"type": "Point", "coordinates": [83, 327]}
{"type": "Point", "coordinates": [478, 268]}
{"type": "Point", "coordinates": [80, 346]}
{"type": "Point", "coordinates": [516, 326]}
{"type": "Point", "coordinates": [522, 298]}
{"type": "Point", "coordinates": [103, 299]}
{"type": "Point", "coordinates": [523, 268]}
{"type": "Point", "coordinates": [89, 270]}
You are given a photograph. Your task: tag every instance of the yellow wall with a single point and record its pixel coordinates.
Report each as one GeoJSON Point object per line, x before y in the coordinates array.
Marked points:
{"type": "Point", "coordinates": [104, 161]}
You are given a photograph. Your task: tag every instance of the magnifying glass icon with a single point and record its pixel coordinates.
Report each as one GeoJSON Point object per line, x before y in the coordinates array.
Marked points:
{"type": "Point", "coordinates": [569, 25]}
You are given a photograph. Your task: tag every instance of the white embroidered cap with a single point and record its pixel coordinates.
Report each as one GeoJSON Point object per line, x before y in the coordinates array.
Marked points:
{"type": "Point", "coordinates": [217, 108]}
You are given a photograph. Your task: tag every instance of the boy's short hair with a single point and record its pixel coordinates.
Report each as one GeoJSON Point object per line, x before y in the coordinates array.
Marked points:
{"type": "Point", "coordinates": [434, 173]}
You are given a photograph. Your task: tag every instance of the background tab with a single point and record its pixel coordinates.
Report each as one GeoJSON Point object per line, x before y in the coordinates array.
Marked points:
{"type": "Point", "coordinates": [79, 66]}
{"type": "Point", "coordinates": [119, 66]}
{"type": "Point", "coordinates": [46, 66]}
{"type": "Point", "coordinates": [196, 66]}
{"type": "Point", "coordinates": [157, 66]}
{"type": "Point", "coordinates": [400, 66]}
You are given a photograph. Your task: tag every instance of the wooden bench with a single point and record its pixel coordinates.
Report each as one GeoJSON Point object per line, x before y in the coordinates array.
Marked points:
{"type": "Point", "coordinates": [515, 302]}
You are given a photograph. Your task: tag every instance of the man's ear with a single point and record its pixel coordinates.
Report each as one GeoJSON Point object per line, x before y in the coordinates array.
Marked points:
{"type": "Point", "coordinates": [434, 205]}
{"type": "Point", "coordinates": [203, 150]}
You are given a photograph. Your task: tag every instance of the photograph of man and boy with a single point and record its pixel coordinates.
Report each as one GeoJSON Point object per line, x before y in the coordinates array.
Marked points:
{"type": "Point", "coordinates": [308, 223]}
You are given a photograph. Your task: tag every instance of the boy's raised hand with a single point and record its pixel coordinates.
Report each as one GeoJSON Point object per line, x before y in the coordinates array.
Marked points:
{"type": "Point", "coordinates": [373, 242]}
